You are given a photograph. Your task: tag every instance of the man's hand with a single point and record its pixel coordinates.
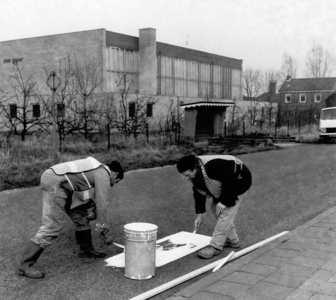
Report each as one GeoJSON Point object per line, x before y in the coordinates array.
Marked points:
{"type": "Point", "coordinates": [92, 213]}
{"type": "Point", "coordinates": [198, 221]}
{"type": "Point", "coordinates": [107, 238]}
{"type": "Point", "coordinates": [219, 209]}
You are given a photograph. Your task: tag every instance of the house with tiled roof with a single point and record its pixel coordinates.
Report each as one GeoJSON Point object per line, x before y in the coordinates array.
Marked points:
{"type": "Point", "coordinates": [305, 93]}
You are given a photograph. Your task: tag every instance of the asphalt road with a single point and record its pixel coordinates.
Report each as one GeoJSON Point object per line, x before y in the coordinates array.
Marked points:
{"type": "Point", "coordinates": [290, 187]}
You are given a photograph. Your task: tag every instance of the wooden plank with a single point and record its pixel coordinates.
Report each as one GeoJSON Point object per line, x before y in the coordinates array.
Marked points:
{"type": "Point", "coordinates": [223, 261]}
{"type": "Point", "coordinates": [202, 270]}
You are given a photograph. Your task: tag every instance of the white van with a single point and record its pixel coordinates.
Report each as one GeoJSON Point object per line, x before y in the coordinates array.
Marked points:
{"type": "Point", "coordinates": [327, 123]}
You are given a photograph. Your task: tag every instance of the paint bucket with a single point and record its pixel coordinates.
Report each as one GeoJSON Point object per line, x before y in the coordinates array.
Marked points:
{"type": "Point", "coordinates": [140, 250]}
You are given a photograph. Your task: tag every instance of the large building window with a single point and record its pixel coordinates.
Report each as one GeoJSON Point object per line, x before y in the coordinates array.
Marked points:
{"type": "Point", "coordinates": [192, 75]}
{"type": "Point", "coordinates": [204, 81]}
{"type": "Point", "coordinates": [122, 70]}
{"type": "Point", "coordinates": [166, 78]}
{"type": "Point", "coordinates": [179, 77]}
{"type": "Point", "coordinates": [180, 72]}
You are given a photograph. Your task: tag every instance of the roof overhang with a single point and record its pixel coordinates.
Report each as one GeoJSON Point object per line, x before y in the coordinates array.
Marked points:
{"type": "Point", "coordinates": [307, 91]}
{"type": "Point", "coordinates": [208, 104]}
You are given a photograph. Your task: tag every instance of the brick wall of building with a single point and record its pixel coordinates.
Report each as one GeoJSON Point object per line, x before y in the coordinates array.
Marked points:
{"type": "Point", "coordinates": [190, 123]}
{"type": "Point", "coordinates": [148, 62]}
{"type": "Point", "coordinates": [310, 102]}
{"type": "Point", "coordinates": [34, 53]}
{"type": "Point", "coordinates": [90, 46]}
{"type": "Point", "coordinates": [122, 41]}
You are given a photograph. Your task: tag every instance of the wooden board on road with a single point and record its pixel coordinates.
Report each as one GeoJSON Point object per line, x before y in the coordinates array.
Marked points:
{"type": "Point", "coordinates": [168, 249]}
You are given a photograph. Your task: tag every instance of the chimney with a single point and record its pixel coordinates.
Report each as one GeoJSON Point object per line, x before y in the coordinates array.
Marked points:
{"type": "Point", "coordinates": [288, 78]}
{"type": "Point", "coordinates": [148, 62]}
{"type": "Point", "coordinates": [272, 90]}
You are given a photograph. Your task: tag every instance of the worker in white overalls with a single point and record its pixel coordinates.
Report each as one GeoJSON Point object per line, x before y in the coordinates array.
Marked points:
{"type": "Point", "coordinates": [222, 178]}
{"type": "Point", "coordinates": [81, 189]}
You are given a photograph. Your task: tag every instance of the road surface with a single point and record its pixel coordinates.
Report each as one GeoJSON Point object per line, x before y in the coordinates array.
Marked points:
{"type": "Point", "coordinates": [290, 186]}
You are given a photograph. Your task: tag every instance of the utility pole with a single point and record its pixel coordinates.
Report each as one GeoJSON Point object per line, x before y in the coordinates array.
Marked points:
{"type": "Point", "coordinates": [53, 82]}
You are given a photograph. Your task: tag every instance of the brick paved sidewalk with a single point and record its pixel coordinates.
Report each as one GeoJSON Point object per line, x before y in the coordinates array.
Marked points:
{"type": "Point", "coordinates": [300, 265]}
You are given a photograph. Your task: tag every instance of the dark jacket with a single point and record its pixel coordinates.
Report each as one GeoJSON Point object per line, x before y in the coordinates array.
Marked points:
{"type": "Point", "coordinates": [234, 183]}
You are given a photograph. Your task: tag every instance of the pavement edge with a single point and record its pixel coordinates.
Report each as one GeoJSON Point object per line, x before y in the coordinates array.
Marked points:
{"type": "Point", "coordinates": [243, 260]}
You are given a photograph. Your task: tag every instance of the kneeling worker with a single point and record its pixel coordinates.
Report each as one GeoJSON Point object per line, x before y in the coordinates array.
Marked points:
{"type": "Point", "coordinates": [224, 178]}
{"type": "Point", "coordinates": [81, 189]}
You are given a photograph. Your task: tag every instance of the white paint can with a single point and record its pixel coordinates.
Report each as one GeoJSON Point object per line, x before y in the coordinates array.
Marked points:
{"type": "Point", "coordinates": [140, 250]}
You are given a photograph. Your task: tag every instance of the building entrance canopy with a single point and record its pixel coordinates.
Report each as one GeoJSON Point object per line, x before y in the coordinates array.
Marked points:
{"type": "Point", "coordinates": [204, 119]}
{"type": "Point", "coordinates": [207, 104]}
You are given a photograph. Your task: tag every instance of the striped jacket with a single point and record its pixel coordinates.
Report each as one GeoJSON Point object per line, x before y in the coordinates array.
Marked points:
{"type": "Point", "coordinates": [87, 179]}
{"type": "Point", "coordinates": [222, 177]}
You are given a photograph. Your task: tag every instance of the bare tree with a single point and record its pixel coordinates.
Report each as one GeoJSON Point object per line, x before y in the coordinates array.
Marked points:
{"type": "Point", "coordinates": [252, 82]}
{"type": "Point", "coordinates": [235, 118]}
{"type": "Point", "coordinates": [272, 80]}
{"type": "Point", "coordinates": [320, 63]}
{"type": "Point", "coordinates": [169, 122]}
{"type": "Point", "coordinates": [253, 86]}
{"type": "Point", "coordinates": [20, 108]}
{"type": "Point", "coordinates": [271, 75]}
{"type": "Point", "coordinates": [130, 116]}
{"type": "Point", "coordinates": [90, 105]}
{"type": "Point", "coordinates": [65, 97]}
{"type": "Point", "coordinates": [289, 66]}
{"type": "Point", "coordinates": [81, 109]}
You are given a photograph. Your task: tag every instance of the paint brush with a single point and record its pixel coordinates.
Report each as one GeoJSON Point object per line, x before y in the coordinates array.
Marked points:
{"type": "Point", "coordinates": [193, 234]}
{"type": "Point", "coordinates": [118, 245]}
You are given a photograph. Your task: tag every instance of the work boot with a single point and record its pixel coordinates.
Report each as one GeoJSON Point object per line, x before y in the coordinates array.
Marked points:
{"type": "Point", "coordinates": [209, 252]}
{"type": "Point", "coordinates": [230, 244]}
{"type": "Point", "coordinates": [84, 239]}
{"type": "Point", "coordinates": [29, 257]}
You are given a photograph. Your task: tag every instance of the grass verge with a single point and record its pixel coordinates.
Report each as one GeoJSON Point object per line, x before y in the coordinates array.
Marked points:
{"type": "Point", "coordinates": [23, 164]}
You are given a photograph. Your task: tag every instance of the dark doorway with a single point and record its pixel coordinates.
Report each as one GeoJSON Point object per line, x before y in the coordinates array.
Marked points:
{"type": "Point", "coordinates": [204, 122]}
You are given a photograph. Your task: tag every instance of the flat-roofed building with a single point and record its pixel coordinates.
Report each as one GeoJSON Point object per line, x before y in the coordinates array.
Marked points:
{"type": "Point", "coordinates": [171, 75]}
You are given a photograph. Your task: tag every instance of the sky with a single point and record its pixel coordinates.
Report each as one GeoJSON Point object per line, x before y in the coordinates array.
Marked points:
{"type": "Point", "coordinates": [257, 31]}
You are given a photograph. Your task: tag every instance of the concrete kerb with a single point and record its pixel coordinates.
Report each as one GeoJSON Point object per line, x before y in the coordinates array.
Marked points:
{"type": "Point", "coordinates": [241, 261]}
{"type": "Point", "coordinates": [299, 230]}
{"type": "Point", "coordinates": [283, 145]}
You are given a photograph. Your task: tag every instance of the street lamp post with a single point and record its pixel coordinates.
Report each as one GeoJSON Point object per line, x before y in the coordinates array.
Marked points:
{"type": "Point", "coordinates": [53, 82]}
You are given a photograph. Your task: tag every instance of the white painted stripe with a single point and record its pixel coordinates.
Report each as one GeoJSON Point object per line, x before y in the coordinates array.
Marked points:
{"type": "Point", "coordinates": [87, 181]}
{"type": "Point", "coordinates": [69, 181]}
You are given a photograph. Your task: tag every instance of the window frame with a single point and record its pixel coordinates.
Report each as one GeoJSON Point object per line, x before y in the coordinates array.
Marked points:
{"type": "Point", "coordinates": [131, 109]}
{"type": "Point", "coordinates": [315, 97]}
{"type": "Point", "coordinates": [36, 113]}
{"type": "Point", "coordinates": [290, 98]}
{"type": "Point", "coordinates": [149, 104]}
{"type": "Point", "coordinates": [60, 110]}
{"type": "Point", "coordinates": [12, 109]}
{"type": "Point", "coordinates": [305, 98]}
